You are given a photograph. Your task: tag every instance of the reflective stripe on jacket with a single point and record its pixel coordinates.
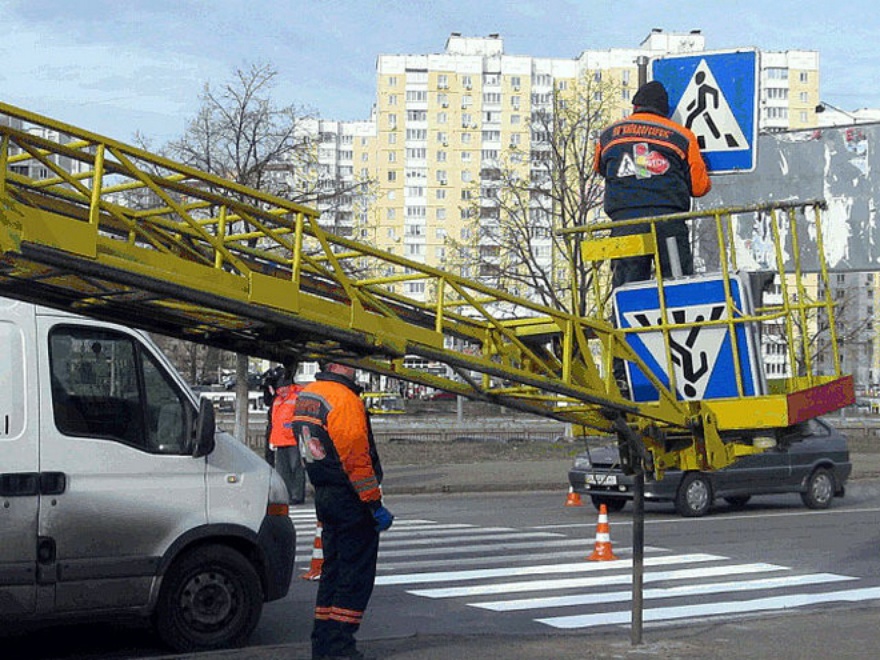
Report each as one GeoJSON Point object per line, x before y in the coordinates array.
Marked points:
{"type": "Point", "coordinates": [650, 163]}
{"type": "Point", "coordinates": [336, 442]}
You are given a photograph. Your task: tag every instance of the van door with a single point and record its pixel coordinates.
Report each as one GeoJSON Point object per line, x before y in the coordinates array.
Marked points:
{"type": "Point", "coordinates": [117, 432]}
{"type": "Point", "coordinates": [19, 467]}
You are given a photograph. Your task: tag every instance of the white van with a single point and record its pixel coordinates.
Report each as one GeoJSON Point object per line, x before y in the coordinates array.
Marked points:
{"type": "Point", "coordinates": [116, 496]}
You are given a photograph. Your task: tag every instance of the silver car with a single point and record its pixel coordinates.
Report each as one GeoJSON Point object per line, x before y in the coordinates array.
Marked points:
{"type": "Point", "coordinates": [810, 458]}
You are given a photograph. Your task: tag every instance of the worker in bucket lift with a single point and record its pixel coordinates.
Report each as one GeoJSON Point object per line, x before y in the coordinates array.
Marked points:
{"type": "Point", "coordinates": [651, 166]}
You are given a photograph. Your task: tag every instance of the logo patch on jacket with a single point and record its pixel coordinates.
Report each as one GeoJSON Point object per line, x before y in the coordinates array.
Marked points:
{"type": "Point", "coordinates": [310, 447]}
{"type": "Point", "coordinates": [643, 164]}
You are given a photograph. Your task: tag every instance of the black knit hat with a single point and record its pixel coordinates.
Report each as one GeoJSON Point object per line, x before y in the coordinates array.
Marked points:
{"type": "Point", "coordinates": [652, 97]}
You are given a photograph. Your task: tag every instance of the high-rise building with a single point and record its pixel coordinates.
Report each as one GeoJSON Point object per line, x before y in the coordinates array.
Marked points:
{"type": "Point", "coordinates": [444, 122]}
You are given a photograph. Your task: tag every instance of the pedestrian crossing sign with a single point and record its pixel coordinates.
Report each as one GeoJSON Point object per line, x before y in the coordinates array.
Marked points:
{"type": "Point", "coordinates": [715, 94]}
{"type": "Point", "coordinates": [702, 357]}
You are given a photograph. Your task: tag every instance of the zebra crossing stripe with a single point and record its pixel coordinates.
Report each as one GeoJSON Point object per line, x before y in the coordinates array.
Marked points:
{"type": "Point", "coordinates": [544, 569]}
{"type": "Point", "coordinates": [601, 598]}
{"type": "Point", "coordinates": [703, 610]}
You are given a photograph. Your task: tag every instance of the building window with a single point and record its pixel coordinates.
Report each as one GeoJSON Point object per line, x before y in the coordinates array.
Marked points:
{"type": "Point", "coordinates": [467, 82]}
{"type": "Point", "coordinates": [443, 81]}
{"type": "Point", "coordinates": [392, 81]}
{"type": "Point", "coordinates": [392, 99]}
{"type": "Point", "coordinates": [804, 77]}
{"type": "Point", "coordinates": [516, 82]}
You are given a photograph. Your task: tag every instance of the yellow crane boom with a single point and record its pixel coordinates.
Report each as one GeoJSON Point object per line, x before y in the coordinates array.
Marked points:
{"type": "Point", "coordinates": [115, 232]}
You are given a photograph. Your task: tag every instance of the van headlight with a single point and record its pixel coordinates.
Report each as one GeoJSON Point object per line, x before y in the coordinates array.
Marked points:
{"type": "Point", "coordinates": [582, 462]}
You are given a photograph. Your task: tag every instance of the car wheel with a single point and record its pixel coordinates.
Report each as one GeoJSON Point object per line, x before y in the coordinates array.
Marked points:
{"type": "Point", "coordinates": [820, 489]}
{"type": "Point", "coordinates": [613, 504]}
{"type": "Point", "coordinates": [211, 598]}
{"type": "Point", "coordinates": [738, 501]}
{"type": "Point", "coordinates": [694, 495]}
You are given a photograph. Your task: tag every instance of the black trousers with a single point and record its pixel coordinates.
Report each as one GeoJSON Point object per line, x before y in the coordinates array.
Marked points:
{"type": "Point", "coordinates": [351, 546]}
{"type": "Point", "coordinates": [637, 269]}
{"type": "Point", "coordinates": [289, 465]}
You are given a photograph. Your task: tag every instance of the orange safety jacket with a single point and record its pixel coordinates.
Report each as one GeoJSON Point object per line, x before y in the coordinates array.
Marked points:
{"type": "Point", "coordinates": [283, 409]}
{"type": "Point", "coordinates": [336, 441]}
{"type": "Point", "coordinates": [651, 166]}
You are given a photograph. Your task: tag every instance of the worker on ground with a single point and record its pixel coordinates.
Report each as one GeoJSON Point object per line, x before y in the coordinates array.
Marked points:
{"type": "Point", "coordinates": [282, 439]}
{"type": "Point", "coordinates": [652, 166]}
{"type": "Point", "coordinates": [333, 429]}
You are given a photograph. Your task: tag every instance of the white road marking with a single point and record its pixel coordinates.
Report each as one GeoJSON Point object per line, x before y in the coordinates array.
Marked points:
{"type": "Point", "coordinates": [601, 598]}
{"type": "Point", "coordinates": [703, 610]}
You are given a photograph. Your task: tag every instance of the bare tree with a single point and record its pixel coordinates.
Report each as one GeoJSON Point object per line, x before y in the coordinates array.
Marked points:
{"type": "Point", "coordinates": [241, 134]}
{"type": "Point", "coordinates": [527, 196]}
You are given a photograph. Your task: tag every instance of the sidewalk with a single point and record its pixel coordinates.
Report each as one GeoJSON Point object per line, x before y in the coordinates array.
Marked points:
{"type": "Point", "coordinates": [503, 476]}
{"type": "Point", "coordinates": [842, 635]}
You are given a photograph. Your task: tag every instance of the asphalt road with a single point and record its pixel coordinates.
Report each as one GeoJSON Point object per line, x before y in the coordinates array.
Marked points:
{"type": "Point", "coordinates": [469, 575]}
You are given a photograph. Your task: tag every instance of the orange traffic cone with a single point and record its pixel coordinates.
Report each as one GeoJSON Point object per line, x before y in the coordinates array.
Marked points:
{"type": "Point", "coordinates": [573, 499]}
{"type": "Point", "coordinates": [602, 550]}
{"type": "Point", "coordinates": [314, 572]}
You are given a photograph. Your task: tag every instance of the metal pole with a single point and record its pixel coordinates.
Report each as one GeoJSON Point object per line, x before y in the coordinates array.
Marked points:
{"type": "Point", "coordinates": [241, 398]}
{"type": "Point", "coordinates": [642, 64]}
{"type": "Point", "coordinates": [674, 257]}
{"type": "Point", "coordinates": [638, 553]}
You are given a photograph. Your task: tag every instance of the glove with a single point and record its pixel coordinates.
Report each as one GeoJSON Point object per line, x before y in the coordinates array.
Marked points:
{"type": "Point", "coordinates": [383, 517]}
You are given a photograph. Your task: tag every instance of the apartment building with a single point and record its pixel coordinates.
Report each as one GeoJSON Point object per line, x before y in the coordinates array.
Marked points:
{"type": "Point", "coordinates": [445, 121]}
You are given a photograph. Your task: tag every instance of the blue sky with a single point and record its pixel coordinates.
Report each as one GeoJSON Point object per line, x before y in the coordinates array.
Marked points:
{"type": "Point", "coordinates": [120, 67]}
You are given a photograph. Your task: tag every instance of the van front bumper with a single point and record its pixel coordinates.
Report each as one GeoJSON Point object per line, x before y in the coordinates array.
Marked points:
{"type": "Point", "coordinates": [277, 541]}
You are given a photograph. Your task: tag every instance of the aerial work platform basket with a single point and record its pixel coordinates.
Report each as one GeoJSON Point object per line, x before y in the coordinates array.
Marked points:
{"type": "Point", "coordinates": [98, 227]}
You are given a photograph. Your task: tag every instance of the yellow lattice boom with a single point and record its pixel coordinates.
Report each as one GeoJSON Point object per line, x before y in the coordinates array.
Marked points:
{"type": "Point", "coordinates": [117, 233]}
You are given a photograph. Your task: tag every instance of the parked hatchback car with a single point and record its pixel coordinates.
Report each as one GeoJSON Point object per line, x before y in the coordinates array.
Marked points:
{"type": "Point", "coordinates": [811, 458]}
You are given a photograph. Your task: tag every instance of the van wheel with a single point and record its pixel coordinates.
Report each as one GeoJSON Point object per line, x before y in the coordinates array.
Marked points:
{"type": "Point", "coordinates": [211, 598]}
{"type": "Point", "coordinates": [820, 489]}
{"type": "Point", "coordinates": [613, 504]}
{"type": "Point", "coordinates": [694, 495]}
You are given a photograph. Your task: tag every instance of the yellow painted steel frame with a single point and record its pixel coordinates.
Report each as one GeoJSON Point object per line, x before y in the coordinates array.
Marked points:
{"type": "Point", "coordinates": [209, 260]}
{"type": "Point", "coordinates": [788, 401]}
{"type": "Point", "coordinates": [121, 234]}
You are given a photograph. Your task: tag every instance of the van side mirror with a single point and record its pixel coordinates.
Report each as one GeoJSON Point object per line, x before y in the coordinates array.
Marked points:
{"type": "Point", "coordinates": [204, 432]}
